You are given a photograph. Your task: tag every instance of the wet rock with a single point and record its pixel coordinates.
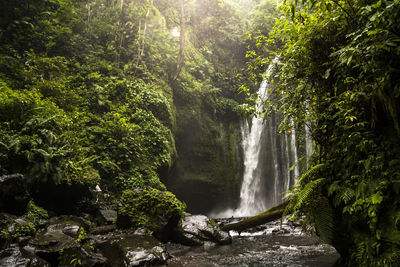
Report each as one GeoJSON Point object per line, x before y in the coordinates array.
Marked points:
{"type": "Point", "coordinates": [142, 231]}
{"type": "Point", "coordinates": [109, 216]}
{"type": "Point", "coordinates": [48, 245]}
{"type": "Point", "coordinates": [101, 230]}
{"type": "Point", "coordinates": [14, 196]}
{"type": "Point", "coordinates": [20, 221]}
{"type": "Point", "coordinates": [82, 257]}
{"type": "Point", "coordinates": [59, 235]}
{"type": "Point", "coordinates": [280, 230]}
{"type": "Point", "coordinates": [14, 256]}
{"type": "Point", "coordinates": [141, 257]}
{"type": "Point", "coordinates": [63, 221]}
{"type": "Point", "coordinates": [196, 229]}
{"type": "Point", "coordinates": [131, 250]}
{"type": "Point", "coordinates": [71, 230]}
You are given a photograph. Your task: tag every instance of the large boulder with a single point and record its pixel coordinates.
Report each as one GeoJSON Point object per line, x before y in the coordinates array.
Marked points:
{"type": "Point", "coordinates": [197, 229]}
{"type": "Point", "coordinates": [14, 196]}
{"type": "Point", "coordinates": [14, 256]}
{"type": "Point", "coordinates": [49, 244]}
{"type": "Point", "coordinates": [108, 216]}
{"type": "Point", "coordinates": [159, 211]}
{"type": "Point", "coordinates": [61, 242]}
{"type": "Point", "coordinates": [130, 249]}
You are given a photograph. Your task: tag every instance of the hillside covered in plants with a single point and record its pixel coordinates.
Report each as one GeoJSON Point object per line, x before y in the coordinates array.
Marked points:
{"type": "Point", "coordinates": [339, 76]}
{"type": "Point", "coordinates": [108, 106]}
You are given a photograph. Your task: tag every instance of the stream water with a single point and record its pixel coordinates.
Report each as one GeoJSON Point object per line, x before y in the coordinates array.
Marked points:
{"type": "Point", "coordinates": [268, 245]}
{"type": "Point", "coordinates": [270, 168]}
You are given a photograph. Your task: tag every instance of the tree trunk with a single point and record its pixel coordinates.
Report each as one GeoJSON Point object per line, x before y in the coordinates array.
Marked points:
{"type": "Point", "coordinates": [120, 35]}
{"type": "Point", "coordinates": [181, 57]}
{"type": "Point", "coordinates": [267, 216]}
{"type": "Point", "coordinates": [141, 36]}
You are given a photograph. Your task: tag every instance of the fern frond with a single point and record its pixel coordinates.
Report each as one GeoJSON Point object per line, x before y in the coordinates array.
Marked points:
{"type": "Point", "coordinates": [303, 196]}
{"type": "Point", "coordinates": [345, 195]}
{"type": "Point", "coordinates": [324, 219]}
{"type": "Point", "coordinates": [310, 172]}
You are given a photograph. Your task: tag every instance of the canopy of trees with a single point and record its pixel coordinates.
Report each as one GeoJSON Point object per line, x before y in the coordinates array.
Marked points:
{"type": "Point", "coordinates": [87, 86]}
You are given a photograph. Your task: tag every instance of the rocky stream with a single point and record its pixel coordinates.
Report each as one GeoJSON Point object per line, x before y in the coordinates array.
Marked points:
{"type": "Point", "coordinates": [93, 239]}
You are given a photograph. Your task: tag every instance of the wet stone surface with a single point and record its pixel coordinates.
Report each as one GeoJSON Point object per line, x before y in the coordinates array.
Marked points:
{"type": "Point", "coordinates": [197, 230]}
{"type": "Point", "coordinates": [268, 245]}
{"type": "Point", "coordinates": [14, 256]}
{"type": "Point", "coordinates": [131, 249]}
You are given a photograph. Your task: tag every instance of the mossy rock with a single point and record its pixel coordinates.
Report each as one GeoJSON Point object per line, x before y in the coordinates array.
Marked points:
{"type": "Point", "coordinates": [12, 227]}
{"type": "Point", "coordinates": [158, 211]}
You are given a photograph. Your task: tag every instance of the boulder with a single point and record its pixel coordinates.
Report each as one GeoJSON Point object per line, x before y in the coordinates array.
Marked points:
{"type": "Point", "coordinates": [59, 235]}
{"type": "Point", "coordinates": [109, 216]}
{"type": "Point", "coordinates": [14, 256]}
{"type": "Point", "coordinates": [14, 196]}
{"type": "Point", "coordinates": [159, 211]}
{"type": "Point", "coordinates": [197, 229]}
{"type": "Point", "coordinates": [49, 244]}
{"type": "Point", "coordinates": [78, 256]}
{"type": "Point", "coordinates": [102, 230]}
{"type": "Point", "coordinates": [71, 230]}
{"type": "Point", "coordinates": [130, 249]}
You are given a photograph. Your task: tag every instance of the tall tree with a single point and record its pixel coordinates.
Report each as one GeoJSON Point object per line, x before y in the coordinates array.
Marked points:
{"type": "Point", "coordinates": [181, 57]}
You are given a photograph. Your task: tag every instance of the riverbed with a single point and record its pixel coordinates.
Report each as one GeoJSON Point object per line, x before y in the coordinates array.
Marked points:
{"type": "Point", "coordinates": [272, 244]}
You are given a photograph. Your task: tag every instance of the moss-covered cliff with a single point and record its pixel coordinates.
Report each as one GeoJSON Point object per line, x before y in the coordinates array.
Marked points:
{"type": "Point", "coordinates": [208, 137]}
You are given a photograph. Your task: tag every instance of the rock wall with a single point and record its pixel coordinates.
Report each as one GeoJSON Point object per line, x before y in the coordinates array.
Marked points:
{"type": "Point", "coordinates": [207, 172]}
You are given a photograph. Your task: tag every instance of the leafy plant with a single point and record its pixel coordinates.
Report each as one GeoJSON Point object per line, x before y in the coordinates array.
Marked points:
{"type": "Point", "coordinates": [338, 74]}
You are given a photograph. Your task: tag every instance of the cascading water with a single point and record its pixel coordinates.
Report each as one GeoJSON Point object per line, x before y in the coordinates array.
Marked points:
{"type": "Point", "coordinates": [268, 159]}
{"type": "Point", "coordinates": [251, 190]}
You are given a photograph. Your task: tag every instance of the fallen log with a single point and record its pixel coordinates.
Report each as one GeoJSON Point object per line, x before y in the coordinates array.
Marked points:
{"type": "Point", "coordinates": [264, 217]}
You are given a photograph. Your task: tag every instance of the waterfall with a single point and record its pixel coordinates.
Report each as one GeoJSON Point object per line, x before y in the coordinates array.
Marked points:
{"type": "Point", "coordinates": [266, 175]}
{"type": "Point", "coordinates": [270, 160]}
{"type": "Point", "coordinates": [251, 189]}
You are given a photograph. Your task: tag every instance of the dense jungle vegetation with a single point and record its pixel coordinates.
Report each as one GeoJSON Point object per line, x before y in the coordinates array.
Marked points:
{"type": "Point", "coordinates": [89, 92]}
{"type": "Point", "coordinates": [339, 74]}
{"type": "Point", "coordinates": [87, 86]}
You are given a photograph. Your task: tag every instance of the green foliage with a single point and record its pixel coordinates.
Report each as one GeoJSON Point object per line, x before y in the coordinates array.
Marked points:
{"type": "Point", "coordinates": [82, 235]}
{"type": "Point", "coordinates": [11, 230]}
{"type": "Point", "coordinates": [23, 230]}
{"type": "Point", "coordinates": [228, 108]}
{"type": "Point", "coordinates": [146, 207]}
{"type": "Point", "coordinates": [35, 213]}
{"type": "Point", "coordinates": [339, 74]}
{"type": "Point", "coordinates": [85, 86]}
{"type": "Point", "coordinates": [37, 139]}
{"type": "Point", "coordinates": [74, 108]}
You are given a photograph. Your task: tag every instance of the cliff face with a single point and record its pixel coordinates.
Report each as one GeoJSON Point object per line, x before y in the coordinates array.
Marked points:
{"type": "Point", "coordinates": [208, 169]}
